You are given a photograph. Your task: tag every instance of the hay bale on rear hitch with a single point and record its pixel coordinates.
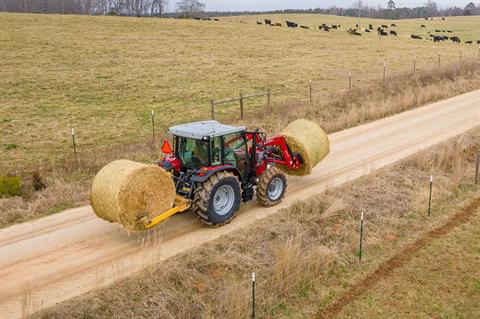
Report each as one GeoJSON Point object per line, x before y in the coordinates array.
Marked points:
{"type": "Point", "coordinates": [125, 191]}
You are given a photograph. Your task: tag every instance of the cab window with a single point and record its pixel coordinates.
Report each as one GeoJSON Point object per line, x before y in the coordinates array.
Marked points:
{"type": "Point", "coordinates": [235, 150]}
{"type": "Point", "coordinates": [216, 147]}
{"type": "Point", "coordinates": [193, 153]}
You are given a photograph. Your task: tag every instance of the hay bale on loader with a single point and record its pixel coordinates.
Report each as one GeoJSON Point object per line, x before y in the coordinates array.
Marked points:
{"type": "Point", "coordinates": [308, 139]}
{"type": "Point", "coordinates": [125, 191]}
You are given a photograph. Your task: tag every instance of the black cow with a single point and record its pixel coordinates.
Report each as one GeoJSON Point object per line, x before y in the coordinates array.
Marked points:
{"type": "Point", "coordinates": [455, 39]}
{"type": "Point", "coordinates": [268, 22]}
{"type": "Point", "coordinates": [370, 27]}
{"type": "Point", "coordinates": [384, 26]}
{"type": "Point", "coordinates": [367, 30]}
{"type": "Point", "coordinates": [381, 32]}
{"type": "Point", "coordinates": [449, 31]}
{"type": "Point", "coordinates": [357, 25]}
{"type": "Point", "coordinates": [423, 26]}
{"type": "Point", "coordinates": [437, 38]}
{"type": "Point", "coordinates": [468, 42]}
{"type": "Point", "coordinates": [415, 36]}
{"type": "Point", "coordinates": [353, 32]}
{"type": "Point", "coordinates": [443, 18]}
{"type": "Point", "coordinates": [259, 23]}
{"type": "Point", "coordinates": [278, 24]}
{"type": "Point", "coordinates": [334, 26]}
{"type": "Point", "coordinates": [436, 30]}
{"type": "Point", "coordinates": [393, 25]}
{"type": "Point", "coordinates": [393, 33]}
{"type": "Point", "coordinates": [216, 19]}
{"type": "Point", "coordinates": [291, 24]}
{"type": "Point", "coordinates": [478, 41]}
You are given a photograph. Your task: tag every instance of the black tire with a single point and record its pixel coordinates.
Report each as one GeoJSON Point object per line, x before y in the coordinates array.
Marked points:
{"type": "Point", "coordinates": [206, 204]}
{"type": "Point", "coordinates": [265, 196]}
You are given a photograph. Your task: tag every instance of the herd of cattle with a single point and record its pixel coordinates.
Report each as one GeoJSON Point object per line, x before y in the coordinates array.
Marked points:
{"type": "Point", "coordinates": [382, 30]}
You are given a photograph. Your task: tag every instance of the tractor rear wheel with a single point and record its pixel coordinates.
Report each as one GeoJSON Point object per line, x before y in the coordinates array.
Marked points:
{"type": "Point", "coordinates": [271, 187]}
{"type": "Point", "coordinates": [217, 200]}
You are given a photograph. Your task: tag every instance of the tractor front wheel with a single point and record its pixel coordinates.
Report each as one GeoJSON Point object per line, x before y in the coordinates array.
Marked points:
{"type": "Point", "coordinates": [217, 200]}
{"type": "Point", "coordinates": [271, 187]}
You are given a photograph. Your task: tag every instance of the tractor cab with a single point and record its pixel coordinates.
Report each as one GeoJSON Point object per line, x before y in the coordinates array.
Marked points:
{"type": "Point", "coordinates": [209, 145]}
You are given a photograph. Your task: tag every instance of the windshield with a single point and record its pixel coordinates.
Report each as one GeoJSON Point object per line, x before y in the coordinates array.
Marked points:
{"type": "Point", "coordinates": [193, 153]}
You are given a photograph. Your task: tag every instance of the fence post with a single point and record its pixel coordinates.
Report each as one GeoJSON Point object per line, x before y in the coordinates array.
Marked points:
{"type": "Point", "coordinates": [430, 197]}
{"type": "Point", "coordinates": [241, 106]}
{"type": "Point", "coordinates": [253, 295]}
{"type": "Point", "coordinates": [350, 81]}
{"type": "Point", "coordinates": [311, 92]}
{"type": "Point", "coordinates": [384, 71]}
{"type": "Point", "coordinates": [74, 145]}
{"type": "Point", "coordinates": [153, 127]}
{"type": "Point", "coordinates": [360, 252]}
{"type": "Point", "coordinates": [477, 167]}
{"type": "Point", "coordinates": [212, 109]}
{"type": "Point", "coordinates": [269, 96]}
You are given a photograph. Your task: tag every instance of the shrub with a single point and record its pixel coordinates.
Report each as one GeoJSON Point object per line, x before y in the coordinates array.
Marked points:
{"type": "Point", "coordinates": [37, 181]}
{"type": "Point", "coordinates": [9, 186]}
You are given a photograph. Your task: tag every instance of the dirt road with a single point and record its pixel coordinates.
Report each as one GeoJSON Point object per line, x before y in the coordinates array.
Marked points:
{"type": "Point", "coordinates": [63, 255]}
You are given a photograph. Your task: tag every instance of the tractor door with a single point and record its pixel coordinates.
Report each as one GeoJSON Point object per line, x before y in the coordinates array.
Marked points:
{"type": "Point", "coordinates": [235, 152]}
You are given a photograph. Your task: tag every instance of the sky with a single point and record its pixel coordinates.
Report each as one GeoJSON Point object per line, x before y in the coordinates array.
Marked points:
{"type": "Point", "coordinates": [261, 5]}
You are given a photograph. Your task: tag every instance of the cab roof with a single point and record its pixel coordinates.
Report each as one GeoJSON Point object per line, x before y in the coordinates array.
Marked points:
{"type": "Point", "coordinates": [203, 129]}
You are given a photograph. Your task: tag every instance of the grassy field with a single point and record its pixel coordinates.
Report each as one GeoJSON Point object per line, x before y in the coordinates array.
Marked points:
{"type": "Point", "coordinates": [441, 281]}
{"type": "Point", "coordinates": [306, 258]}
{"type": "Point", "coordinates": [103, 75]}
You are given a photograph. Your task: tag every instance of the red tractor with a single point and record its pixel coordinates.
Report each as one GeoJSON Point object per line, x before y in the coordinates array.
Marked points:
{"type": "Point", "coordinates": [216, 166]}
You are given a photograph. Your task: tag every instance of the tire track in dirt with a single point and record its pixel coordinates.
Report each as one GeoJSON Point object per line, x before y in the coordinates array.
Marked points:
{"type": "Point", "coordinates": [386, 269]}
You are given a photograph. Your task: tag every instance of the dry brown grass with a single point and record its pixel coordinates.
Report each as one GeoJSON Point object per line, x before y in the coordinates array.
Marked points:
{"type": "Point", "coordinates": [68, 182]}
{"type": "Point", "coordinates": [304, 257]}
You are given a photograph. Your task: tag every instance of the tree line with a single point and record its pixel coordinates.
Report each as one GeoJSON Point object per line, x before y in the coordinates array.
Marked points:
{"type": "Point", "coordinates": [195, 8]}
{"type": "Point", "coordinates": [90, 7]}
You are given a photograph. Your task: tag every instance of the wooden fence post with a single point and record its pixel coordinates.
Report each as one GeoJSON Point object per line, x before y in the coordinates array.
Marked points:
{"type": "Point", "coordinates": [350, 81]}
{"type": "Point", "coordinates": [360, 252]}
{"type": "Point", "coordinates": [212, 109]}
{"type": "Point", "coordinates": [241, 106]}
{"type": "Point", "coordinates": [153, 127]}
{"type": "Point", "coordinates": [74, 145]}
{"type": "Point", "coordinates": [430, 197]}
{"type": "Point", "coordinates": [384, 71]}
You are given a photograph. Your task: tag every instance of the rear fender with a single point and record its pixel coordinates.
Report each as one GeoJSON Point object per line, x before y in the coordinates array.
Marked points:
{"type": "Point", "coordinates": [204, 173]}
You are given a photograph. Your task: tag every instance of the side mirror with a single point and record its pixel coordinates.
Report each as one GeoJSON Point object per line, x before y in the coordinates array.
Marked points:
{"type": "Point", "coordinates": [166, 148]}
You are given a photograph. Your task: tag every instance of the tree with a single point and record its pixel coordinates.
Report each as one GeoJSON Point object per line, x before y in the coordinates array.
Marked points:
{"type": "Point", "coordinates": [190, 8]}
{"type": "Point", "coordinates": [391, 4]}
{"type": "Point", "coordinates": [470, 8]}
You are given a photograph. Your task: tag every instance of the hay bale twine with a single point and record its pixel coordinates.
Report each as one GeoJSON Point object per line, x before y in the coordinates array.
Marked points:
{"type": "Point", "coordinates": [125, 191]}
{"type": "Point", "coordinates": [308, 139]}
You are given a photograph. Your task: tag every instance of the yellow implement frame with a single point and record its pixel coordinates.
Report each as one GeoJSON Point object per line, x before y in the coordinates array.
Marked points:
{"type": "Point", "coordinates": [181, 205]}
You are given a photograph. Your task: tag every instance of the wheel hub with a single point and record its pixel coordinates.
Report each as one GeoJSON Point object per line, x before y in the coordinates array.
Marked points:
{"type": "Point", "coordinates": [223, 200]}
{"type": "Point", "coordinates": [275, 188]}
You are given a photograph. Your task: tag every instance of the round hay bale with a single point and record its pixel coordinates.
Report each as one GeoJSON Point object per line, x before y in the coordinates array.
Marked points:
{"type": "Point", "coordinates": [125, 191]}
{"type": "Point", "coordinates": [308, 139]}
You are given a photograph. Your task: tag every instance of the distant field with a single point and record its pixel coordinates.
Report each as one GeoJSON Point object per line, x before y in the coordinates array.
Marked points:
{"type": "Point", "coordinates": [103, 75]}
